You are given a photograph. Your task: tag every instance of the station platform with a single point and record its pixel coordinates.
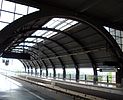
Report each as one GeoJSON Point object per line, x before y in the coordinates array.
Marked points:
{"type": "Point", "coordinates": [27, 87]}
{"type": "Point", "coordinates": [81, 89]}
{"type": "Point", "coordinates": [13, 90]}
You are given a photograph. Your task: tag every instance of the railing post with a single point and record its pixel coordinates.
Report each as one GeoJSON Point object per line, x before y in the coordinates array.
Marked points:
{"type": "Point", "coordinates": [107, 79]}
{"type": "Point", "coordinates": [70, 76]}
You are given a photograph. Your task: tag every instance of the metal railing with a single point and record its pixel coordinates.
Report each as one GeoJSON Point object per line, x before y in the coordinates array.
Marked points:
{"type": "Point", "coordinates": [107, 79]}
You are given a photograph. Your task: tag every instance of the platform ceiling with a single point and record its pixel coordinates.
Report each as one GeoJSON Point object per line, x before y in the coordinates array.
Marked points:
{"type": "Point", "coordinates": [85, 44]}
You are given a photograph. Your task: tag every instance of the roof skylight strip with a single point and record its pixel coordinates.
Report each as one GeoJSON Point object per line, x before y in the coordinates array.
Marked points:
{"type": "Point", "coordinates": [57, 23]}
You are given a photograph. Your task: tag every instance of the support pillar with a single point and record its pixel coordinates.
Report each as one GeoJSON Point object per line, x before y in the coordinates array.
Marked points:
{"type": "Point", "coordinates": [54, 72]}
{"type": "Point", "coordinates": [64, 73]}
{"type": "Point", "coordinates": [31, 71]}
{"type": "Point", "coordinates": [40, 72]}
{"type": "Point", "coordinates": [77, 74]}
{"type": "Point", "coordinates": [28, 70]}
{"type": "Point", "coordinates": [35, 71]}
{"type": "Point", "coordinates": [25, 69]}
{"type": "Point", "coordinates": [95, 79]}
{"type": "Point", "coordinates": [119, 76]}
{"type": "Point", "coordinates": [46, 72]}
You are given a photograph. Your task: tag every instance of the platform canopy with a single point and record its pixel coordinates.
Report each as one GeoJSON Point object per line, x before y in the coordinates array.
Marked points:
{"type": "Point", "coordinates": [66, 33]}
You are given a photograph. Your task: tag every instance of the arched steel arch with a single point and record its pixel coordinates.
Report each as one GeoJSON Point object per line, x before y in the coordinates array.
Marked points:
{"type": "Point", "coordinates": [55, 53]}
{"type": "Point", "coordinates": [70, 36]}
{"type": "Point", "coordinates": [31, 55]}
{"type": "Point", "coordinates": [63, 47]}
{"type": "Point", "coordinates": [23, 64]}
{"type": "Point", "coordinates": [53, 12]}
{"type": "Point", "coordinates": [38, 62]}
{"type": "Point", "coordinates": [45, 55]}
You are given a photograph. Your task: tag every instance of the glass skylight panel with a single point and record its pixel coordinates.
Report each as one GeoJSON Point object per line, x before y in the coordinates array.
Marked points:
{"type": "Point", "coordinates": [54, 22]}
{"type": "Point", "coordinates": [32, 9]}
{"type": "Point", "coordinates": [39, 32]}
{"type": "Point", "coordinates": [6, 17]}
{"type": "Point", "coordinates": [29, 39]}
{"type": "Point", "coordinates": [18, 47]}
{"type": "Point", "coordinates": [49, 23]}
{"type": "Point", "coordinates": [17, 16]}
{"type": "Point", "coordinates": [39, 40]}
{"type": "Point", "coordinates": [8, 6]}
{"type": "Point", "coordinates": [60, 23]}
{"type": "Point", "coordinates": [21, 43]}
{"type": "Point", "coordinates": [2, 25]}
{"type": "Point", "coordinates": [21, 9]}
{"type": "Point", "coordinates": [21, 47]}
{"type": "Point", "coordinates": [0, 2]}
{"type": "Point", "coordinates": [73, 22]}
{"type": "Point", "coordinates": [48, 33]}
{"type": "Point", "coordinates": [29, 44]}
{"type": "Point", "coordinates": [69, 21]}
{"type": "Point", "coordinates": [53, 33]}
{"type": "Point", "coordinates": [107, 28]}
{"type": "Point", "coordinates": [65, 27]}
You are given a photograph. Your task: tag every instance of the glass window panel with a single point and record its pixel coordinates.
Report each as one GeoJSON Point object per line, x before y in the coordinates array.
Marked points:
{"type": "Point", "coordinates": [6, 17]}
{"type": "Point", "coordinates": [117, 33]}
{"type": "Point", "coordinates": [59, 19]}
{"type": "Point", "coordinates": [74, 22]}
{"type": "Point", "coordinates": [107, 28]}
{"type": "Point", "coordinates": [49, 23]}
{"type": "Point", "coordinates": [118, 40]}
{"type": "Point", "coordinates": [122, 40]}
{"type": "Point", "coordinates": [29, 44]}
{"type": "Point", "coordinates": [21, 44]}
{"type": "Point", "coordinates": [48, 33]}
{"type": "Point", "coordinates": [39, 33]}
{"type": "Point", "coordinates": [31, 10]}
{"type": "Point", "coordinates": [17, 16]}
{"type": "Point", "coordinates": [60, 26]}
{"type": "Point", "coordinates": [39, 40]}
{"type": "Point", "coordinates": [112, 31]}
{"type": "Point", "coordinates": [2, 25]}
{"type": "Point", "coordinates": [53, 33]}
{"type": "Point", "coordinates": [0, 1]}
{"type": "Point", "coordinates": [26, 47]}
{"type": "Point", "coordinates": [8, 6]}
{"type": "Point", "coordinates": [114, 37]}
{"type": "Point", "coordinates": [29, 39]}
{"type": "Point", "coordinates": [54, 24]}
{"type": "Point", "coordinates": [65, 27]}
{"type": "Point", "coordinates": [69, 21]}
{"type": "Point", "coordinates": [21, 9]}
{"type": "Point", "coordinates": [121, 33]}
{"type": "Point", "coordinates": [18, 47]}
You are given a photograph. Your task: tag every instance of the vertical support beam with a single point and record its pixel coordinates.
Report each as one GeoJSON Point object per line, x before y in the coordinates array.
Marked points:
{"type": "Point", "coordinates": [35, 71]}
{"type": "Point", "coordinates": [54, 72]}
{"type": "Point", "coordinates": [31, 70]}
{"type": "Point", "coordinates": [46, 68]}
{"type": "Point", "coordinates": [28, 70]}
{"type": "Point", "coordinates": [77, 74]}
{"type": "Point", "coordinates": [95, 78]}
{"type": "Point", "coordinates": [40, 72]}
{"type": "Point", "coordinates": [76, 68]}
{"type": "Point", "coordinates": [64, 73]}
{"type": "Point", "coordinates": [119, 76]}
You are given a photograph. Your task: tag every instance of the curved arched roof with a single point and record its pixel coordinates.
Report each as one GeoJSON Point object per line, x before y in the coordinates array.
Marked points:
{"type": "Point", "coordinates": [84, 44]}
